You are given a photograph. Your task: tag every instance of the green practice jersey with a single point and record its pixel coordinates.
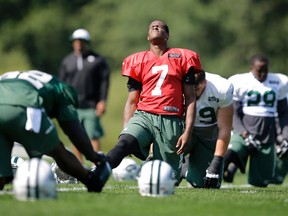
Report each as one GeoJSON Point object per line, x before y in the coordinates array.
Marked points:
{"type": "Point", "coordinates": [40, 90]}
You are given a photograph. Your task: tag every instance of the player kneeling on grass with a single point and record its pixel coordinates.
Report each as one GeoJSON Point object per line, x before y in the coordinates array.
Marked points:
{"type": "Point", "coordinates": [28, 102]}
{"type": "Point", "coordinates": [203, 168]}
{"type": "Point", "coordinates": [259, 96]}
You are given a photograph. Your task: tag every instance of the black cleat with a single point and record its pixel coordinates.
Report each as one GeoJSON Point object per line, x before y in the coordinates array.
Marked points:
{"type": "Point", "coordinates": [98, 176]}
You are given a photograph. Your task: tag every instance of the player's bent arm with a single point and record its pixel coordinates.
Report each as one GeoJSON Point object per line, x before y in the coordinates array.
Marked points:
{"type": "Point", "coordinates": [100, 108]}
{"type": "Point", "coordinates": [224, 118]}
{"type": "Point", "coordinates": [130, 105]}
{"type": "Point", "coordinates": [190, 113]}
{"type": "Point", "coordinates": [190, 106]}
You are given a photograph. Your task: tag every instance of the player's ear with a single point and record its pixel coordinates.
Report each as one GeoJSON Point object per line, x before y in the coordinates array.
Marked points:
{"type": "Point", "coordinates": [167, 37]}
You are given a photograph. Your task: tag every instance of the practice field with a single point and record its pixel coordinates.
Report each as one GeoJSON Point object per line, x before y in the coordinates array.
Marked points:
{"type": "Point", "coordinates": [122, 198]}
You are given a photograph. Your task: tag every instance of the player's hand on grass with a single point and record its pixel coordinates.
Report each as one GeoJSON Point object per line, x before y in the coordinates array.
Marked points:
{"type": "Point", "coordinates": [212, 178]}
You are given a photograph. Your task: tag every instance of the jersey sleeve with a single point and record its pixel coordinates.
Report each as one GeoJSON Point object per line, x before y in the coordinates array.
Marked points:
{"type": "Point", "coordinates": [283, 91]}
{"type": "Point", "coordinates": [236, 93]}
{"type": "Point", "coordinates": [129, 67]}
{"type": "Point", "coordinates": [63, 108]}
{"type": "Point", "coordinates": [67, 112]}
{"type": "Point", "coordinates": [228, 100]}
{"type": "Point", "coordinates": [193, 60]}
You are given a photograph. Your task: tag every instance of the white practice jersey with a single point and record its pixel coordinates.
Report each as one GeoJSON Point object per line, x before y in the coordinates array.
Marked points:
{"type": "Point", "coordinates": [259, 99]}
{"type": "Point", "coordinates": [217, 94]}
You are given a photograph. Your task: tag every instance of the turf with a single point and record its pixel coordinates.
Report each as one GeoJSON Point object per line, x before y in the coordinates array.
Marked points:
{"type": "Point", "coordinates": [122, 198]}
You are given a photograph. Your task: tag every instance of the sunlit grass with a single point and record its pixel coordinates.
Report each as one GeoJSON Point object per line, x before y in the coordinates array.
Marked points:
{"type": "Point", "coordinates": [123, 198]}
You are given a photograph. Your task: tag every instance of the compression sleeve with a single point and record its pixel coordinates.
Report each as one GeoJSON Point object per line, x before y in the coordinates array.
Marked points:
{"type": "Point", "coordinates": [189, 77]}
{"type": "Point", "coordinates": [133, 85]}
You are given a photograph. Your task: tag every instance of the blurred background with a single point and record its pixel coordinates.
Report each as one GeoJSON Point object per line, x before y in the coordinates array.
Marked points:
{"type": "Point", "coordinates": [35, 35]}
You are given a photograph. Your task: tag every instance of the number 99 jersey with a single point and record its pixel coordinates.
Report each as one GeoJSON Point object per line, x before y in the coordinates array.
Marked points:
{"type": "Point", "coordinates": [218, 93]}
{"type": "Point", "coordinates": [259, 99]}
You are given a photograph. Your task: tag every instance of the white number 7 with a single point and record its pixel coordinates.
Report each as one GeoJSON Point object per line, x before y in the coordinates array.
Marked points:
{"type": "Point", "coordinates": [164, 71]}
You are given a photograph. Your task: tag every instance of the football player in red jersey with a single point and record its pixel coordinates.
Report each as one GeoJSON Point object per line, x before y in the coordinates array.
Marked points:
{"type": "Point", "coordinates": [160, 81]}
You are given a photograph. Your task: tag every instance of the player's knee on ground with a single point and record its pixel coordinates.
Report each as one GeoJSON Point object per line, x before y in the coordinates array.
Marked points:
{"type": "Point", "coordinates": [277, 179]}
{"type": "Point", "coordinates": [258, 183]}
{"type": "Point", "coordinates": [127, 145]}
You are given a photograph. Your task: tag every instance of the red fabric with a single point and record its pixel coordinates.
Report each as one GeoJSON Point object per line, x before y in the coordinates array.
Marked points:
{"type": "Point", "coordinates": [161, 78]}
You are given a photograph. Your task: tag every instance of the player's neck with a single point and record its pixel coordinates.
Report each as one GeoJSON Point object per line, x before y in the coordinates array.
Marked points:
{"type": "Point", "coordinates": [159, 50]}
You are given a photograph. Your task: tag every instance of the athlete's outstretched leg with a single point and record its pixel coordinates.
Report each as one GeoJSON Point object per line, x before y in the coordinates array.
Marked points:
{"type": "Point", "coordinates": [127, 145]}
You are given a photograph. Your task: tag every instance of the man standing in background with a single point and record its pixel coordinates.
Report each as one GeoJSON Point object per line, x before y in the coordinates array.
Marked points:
{"type": "Point", "coordinates": [88, 72]}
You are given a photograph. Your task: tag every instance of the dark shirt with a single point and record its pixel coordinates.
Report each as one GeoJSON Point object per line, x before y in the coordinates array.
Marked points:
{"type": "Point", "coordinates": [91, 82]}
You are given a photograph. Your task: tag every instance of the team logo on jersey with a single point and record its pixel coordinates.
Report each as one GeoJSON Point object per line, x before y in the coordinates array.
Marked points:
{"type": "Point", "coordinates": [274, 82]}
{"type": "Point", "coordinates": [174, 55]}
{"type": "Point", "coordinates": [91, 58]}
{"type": "Point", "coordinates": [171, 109]}
{"type": "Point", "coordinates": [213, 99]}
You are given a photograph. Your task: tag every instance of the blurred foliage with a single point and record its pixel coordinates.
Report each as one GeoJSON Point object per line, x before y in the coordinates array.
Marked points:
{"type": "Point", "coordinates": [35, 33]}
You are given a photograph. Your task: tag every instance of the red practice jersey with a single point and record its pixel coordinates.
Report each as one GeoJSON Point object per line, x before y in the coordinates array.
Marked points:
{"type": "Point", "coordinates": [161, 78]}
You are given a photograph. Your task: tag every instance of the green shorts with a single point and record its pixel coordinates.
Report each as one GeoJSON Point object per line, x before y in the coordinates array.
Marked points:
{"type": "Point", "coordinates": [200, 157]}
{"type": "Point", "coordinates": [161, 130]}
{"type": "Point", "coordinates": [12, 129]}
{"type": "Point", "coordinates": [281, 170]}
{"type": "Point", "coordinates": [91, 123]}
{"type": "Point", "coordinates": [261, 165]}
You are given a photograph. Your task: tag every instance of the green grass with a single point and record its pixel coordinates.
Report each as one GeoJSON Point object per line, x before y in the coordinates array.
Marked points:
{"type": "Point", "coordinates": [123, 198]}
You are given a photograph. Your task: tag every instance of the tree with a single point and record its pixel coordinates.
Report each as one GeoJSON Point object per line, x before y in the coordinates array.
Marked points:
{"type": "Point", "coordinates": [35, 33]}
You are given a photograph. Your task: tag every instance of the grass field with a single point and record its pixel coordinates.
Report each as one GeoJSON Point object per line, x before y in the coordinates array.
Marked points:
{"type": "Point", "coordinates": [123, 198]}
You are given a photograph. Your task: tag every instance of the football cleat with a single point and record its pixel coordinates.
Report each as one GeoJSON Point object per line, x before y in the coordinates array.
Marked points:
{"type": "Point", "coordinates": [98, 176]}
{"type": "Point", "coordinates": [62, 177]}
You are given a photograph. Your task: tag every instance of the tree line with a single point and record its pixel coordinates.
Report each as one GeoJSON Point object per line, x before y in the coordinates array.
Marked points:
{"type": "Point", "coordinates": [35, 33]}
